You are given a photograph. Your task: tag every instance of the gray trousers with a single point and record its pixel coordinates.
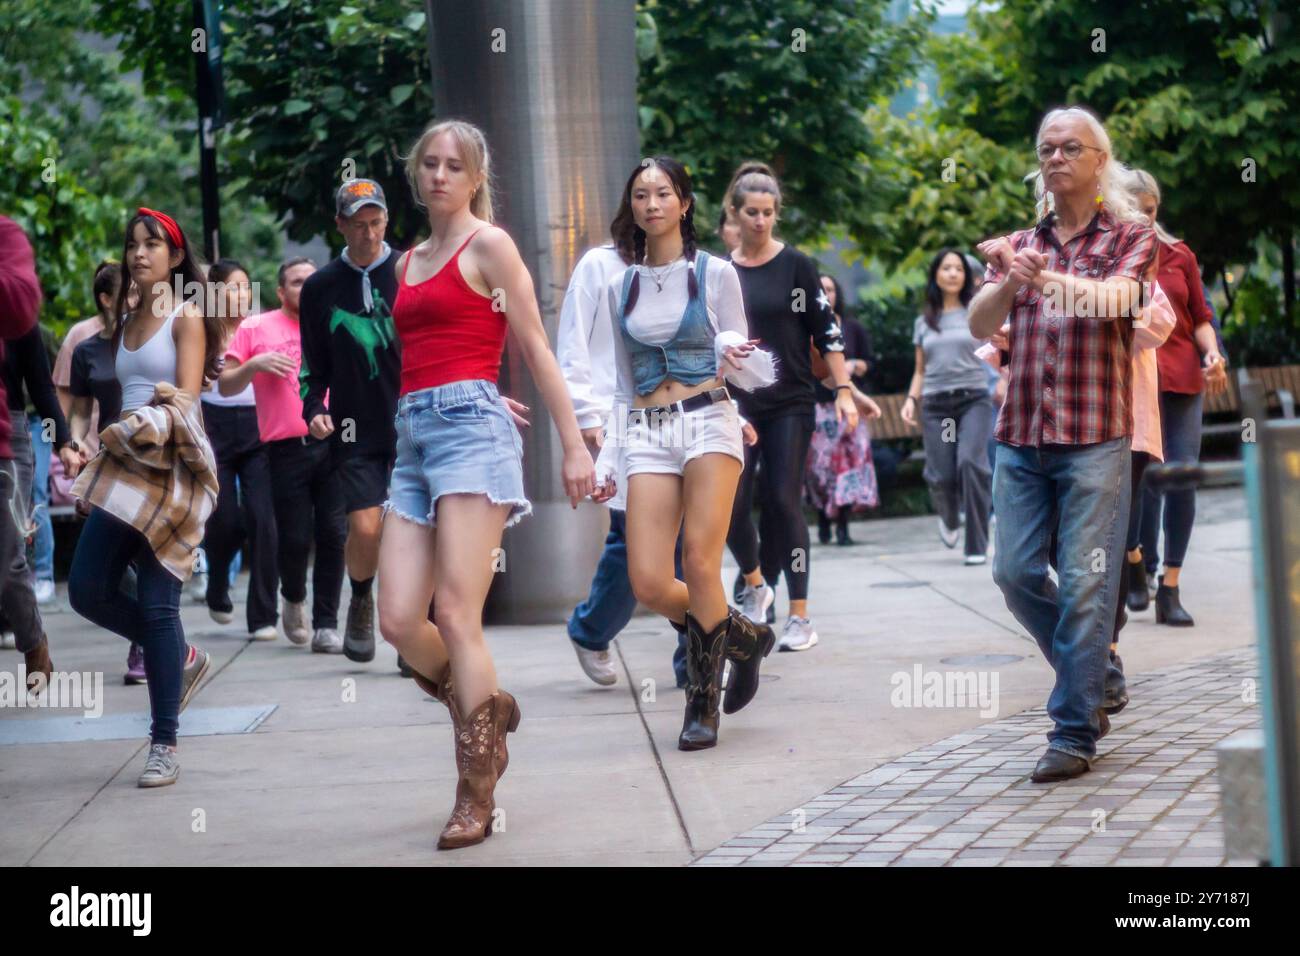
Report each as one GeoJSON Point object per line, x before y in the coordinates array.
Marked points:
{"type": "Point", "coordinates": [17, 599]}
{"type": "Point", "coordinates": [956, 427]}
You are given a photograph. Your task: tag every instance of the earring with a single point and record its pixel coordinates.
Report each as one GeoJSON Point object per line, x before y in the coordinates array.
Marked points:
{"type": "Point", "coordinates": [1100, 198]}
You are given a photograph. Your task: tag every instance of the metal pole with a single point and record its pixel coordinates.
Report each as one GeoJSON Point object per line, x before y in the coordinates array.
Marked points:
{"type": "Point", "coordinates": [206, 98]}
{"type": "Point", "coordinates": [1273, 488]}
{"type": "Point", "coordinates": [552, 83]}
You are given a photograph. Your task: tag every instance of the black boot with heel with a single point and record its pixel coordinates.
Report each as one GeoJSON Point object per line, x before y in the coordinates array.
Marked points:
{"type": "Point", "coordinates": [1139, 597]}
{"type": "Point", "coordinates": [1169, 610]}
{"type": "Point", "coordinates": [704, 656]}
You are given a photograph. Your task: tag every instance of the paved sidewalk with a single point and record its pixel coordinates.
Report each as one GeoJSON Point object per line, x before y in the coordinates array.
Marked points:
{"type": "Point", "coordinates": [290, 757]}
{"type": "Point", "coordinates": [1150, 800]}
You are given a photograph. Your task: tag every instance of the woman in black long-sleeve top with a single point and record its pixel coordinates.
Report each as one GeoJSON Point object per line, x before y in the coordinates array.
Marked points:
{"type": "Point", "coordinates": [786, 306]}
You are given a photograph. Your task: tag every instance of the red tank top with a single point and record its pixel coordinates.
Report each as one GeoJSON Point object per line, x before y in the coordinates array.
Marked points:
{"type": "Point", "coordinates": [448, 331]}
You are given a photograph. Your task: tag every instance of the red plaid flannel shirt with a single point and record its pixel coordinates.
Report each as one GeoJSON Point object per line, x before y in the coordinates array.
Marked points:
{"type": "Point", "coordinates": [1071, 378]}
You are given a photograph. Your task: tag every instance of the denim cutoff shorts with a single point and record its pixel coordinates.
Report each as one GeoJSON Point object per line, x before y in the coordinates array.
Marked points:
{"type": "Point", "coordinates": [456, 438]}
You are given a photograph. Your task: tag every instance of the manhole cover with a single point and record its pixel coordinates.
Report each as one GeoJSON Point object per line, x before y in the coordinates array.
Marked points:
{"type": "Point", "coordinates": [980, 660]}
{"type": "Point", "coordinates": [901, 584]}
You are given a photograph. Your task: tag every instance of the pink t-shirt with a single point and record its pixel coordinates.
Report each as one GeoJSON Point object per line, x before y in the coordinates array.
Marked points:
{"type": "Point", "coordinates": [279, 405]}
{"type": "Point", "coordinates": [62, 372]}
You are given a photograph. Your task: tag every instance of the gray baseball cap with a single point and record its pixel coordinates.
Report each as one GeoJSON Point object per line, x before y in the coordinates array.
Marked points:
{"type": "Point", "coordinates": [355, 193]}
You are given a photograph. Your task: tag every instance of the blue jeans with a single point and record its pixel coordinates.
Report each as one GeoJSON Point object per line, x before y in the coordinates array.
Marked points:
{"type": "Point", "coordinates": [151, 617]}
{"type": "Point", "coordinates": [610, 605]}
{"type": "Point", "coordinates": [1180, 426]}
{"type": "Point", "coordinates": [43, 544]}
{"type": "Point", "coordinates": [1084, 492]}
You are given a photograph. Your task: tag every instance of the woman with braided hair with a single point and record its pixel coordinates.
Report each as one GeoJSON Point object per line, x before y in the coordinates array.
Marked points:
{"type": "Point", "coordinates": [679, 329]}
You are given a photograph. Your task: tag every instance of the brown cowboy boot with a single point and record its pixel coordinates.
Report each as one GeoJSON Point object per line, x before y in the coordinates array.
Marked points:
{"type": "Point", "coordinates": [442, 690]}
{"type": "Point", "coordinates": [476, 748]}
{"type": "Point", "coordinates": [38, 662]}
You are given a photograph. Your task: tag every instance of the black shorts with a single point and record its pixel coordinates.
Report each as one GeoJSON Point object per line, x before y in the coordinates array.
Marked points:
{"type": "Point", "coordinates": [364, 478]}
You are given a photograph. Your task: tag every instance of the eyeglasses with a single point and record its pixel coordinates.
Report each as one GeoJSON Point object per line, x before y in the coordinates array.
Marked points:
{"type": "Point", "coordinates": [1070, 150]}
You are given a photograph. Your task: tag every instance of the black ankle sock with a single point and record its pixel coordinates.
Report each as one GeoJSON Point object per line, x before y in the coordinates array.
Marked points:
{"type": "Point", "coordinates": [361, 588]}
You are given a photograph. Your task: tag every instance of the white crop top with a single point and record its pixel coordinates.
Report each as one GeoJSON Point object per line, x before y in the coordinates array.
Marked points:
{"type": "Point", "coordinates": [658, 314]}
{"type": "Point", "coordinates": [141, 369]}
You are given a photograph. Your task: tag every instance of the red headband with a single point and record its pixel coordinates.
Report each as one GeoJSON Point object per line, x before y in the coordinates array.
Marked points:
{"type": "Point", "coordinates": [168, 223]}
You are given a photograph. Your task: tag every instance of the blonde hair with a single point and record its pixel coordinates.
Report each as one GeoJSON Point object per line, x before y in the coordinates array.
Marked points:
{"type": "Point", "coordinates": [1142, 182]}
{"type": "Point", "coordinates": [753, 177]}
{"type": "Point", "coordinates": [473, 150]}
{"type": "Point", "coordinates": [1113, 182]}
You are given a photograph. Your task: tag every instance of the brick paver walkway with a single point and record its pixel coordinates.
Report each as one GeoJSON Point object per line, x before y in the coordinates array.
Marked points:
{"type": "Point", "coordinates": [1151, 798]}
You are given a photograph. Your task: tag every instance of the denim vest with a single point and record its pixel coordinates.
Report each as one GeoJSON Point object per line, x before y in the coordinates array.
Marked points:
{"type": "Point", "coordinates": [689, 357]}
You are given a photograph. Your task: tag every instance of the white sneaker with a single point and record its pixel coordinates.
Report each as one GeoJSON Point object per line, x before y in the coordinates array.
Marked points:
{"type": "Point", "coordinates": [293, 618]}
{"type": "Point", "coordinates": [598, 665]}
{"type": "Point", "coordinates": [947, 535]}
{"type": "Point", "coordinates": [265, 633]}
{"type": "Point", "coordinates": [199, 588]}
{"type": "Point", "coordinates": [8, 641]}
{"type": "Point", "coordinates": [972, 559]}
{"type": "Point", "coordinates": [754, 602]}
{"type": "Point", "coordinates": [161, 768]}
{"type": "Point", "coordinates": [221, 617]}
{"type": "Point", "coordinates": [327, 640]}
{"type": "Point", "coordinates": [44, 589]}
{"type": "Point", "coordinates": [798, 635]}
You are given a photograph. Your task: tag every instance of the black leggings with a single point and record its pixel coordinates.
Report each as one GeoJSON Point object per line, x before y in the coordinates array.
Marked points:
{"type": "Point", "coordinates": [782, 450]}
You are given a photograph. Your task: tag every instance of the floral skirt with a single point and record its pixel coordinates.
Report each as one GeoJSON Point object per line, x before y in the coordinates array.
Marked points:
{"type": "Point", "coordinates": [840, 473]}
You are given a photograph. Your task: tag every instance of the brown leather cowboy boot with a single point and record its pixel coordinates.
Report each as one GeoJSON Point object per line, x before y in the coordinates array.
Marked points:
{"type": "Point", "coordinates": [476, 764]}
{"type": "Point", "coordinates": [444, 692]}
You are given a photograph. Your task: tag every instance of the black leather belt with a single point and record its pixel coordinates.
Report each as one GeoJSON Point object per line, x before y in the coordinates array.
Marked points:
{"type": "Point", "coordinates": [702, 400]}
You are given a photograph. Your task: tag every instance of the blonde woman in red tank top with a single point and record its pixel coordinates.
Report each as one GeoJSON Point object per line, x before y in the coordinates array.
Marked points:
{"type": "Point", "coordinates": [458, 479]}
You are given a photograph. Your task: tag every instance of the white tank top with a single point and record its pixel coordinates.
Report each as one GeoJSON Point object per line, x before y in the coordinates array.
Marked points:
{"type": "Point", "coordinates": [213, 396]}
{"type": "Point", "coordinates": [141, 369]}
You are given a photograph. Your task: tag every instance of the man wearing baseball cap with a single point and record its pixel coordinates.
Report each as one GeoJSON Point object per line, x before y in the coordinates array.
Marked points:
{"type": "Point", "coordinates": [349, 381]}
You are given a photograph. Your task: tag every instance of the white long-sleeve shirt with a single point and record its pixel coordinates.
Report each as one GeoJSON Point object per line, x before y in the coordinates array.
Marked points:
{"type": "Point", "coordinates": [584, 345]}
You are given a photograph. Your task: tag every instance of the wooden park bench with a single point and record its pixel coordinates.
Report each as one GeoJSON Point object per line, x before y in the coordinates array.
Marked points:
{"type": "Point", "coordinates": [1281, 382]}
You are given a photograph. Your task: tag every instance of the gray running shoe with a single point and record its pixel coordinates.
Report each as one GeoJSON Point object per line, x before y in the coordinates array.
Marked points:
{"type": "Point", "coordinates": [754, 602]}
{"type": "Point", "coordinates": [359, 637]}
{"type": "Point", "coordinates": [798, 635]}
{"type": "Point", "coordinates": [293, 618]}
{"type": "Point", "coordinates": [193, 673]}
{"type": "Point", "coordinates": [326, 640]}
{"type": "Point", "coordinates": [161, 768]}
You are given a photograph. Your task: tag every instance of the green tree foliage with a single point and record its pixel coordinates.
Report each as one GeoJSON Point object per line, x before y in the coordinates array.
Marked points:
{"type": "Point", "coordinates": [788, 83]}
{"type": "Point", "coordinates": [110, 139]}
{"type": "Point", "coordinates": [1201, 93]}
{"type": "Point", "coordinates": [69, 227]}
{"type": "Point", "coordinates": [315, 93]}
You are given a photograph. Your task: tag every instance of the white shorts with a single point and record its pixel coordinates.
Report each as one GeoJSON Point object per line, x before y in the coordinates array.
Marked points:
{"type": "Point", "coordinates": [663, 445]}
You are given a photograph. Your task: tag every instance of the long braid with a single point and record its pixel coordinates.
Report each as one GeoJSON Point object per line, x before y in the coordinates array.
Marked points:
{"type": "Point", "coordinates": [688, 250]}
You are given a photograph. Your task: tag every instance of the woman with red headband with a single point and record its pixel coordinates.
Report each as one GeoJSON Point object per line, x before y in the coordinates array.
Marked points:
{"type": "Point", "coordinates": [164, 347]}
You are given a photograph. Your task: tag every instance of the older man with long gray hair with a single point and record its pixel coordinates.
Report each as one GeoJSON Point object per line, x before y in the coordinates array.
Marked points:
{"type": "Point", "coordinates": [1070, 284]}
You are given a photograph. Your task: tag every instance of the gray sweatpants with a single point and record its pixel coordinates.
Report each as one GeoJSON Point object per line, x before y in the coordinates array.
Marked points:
{"type": "Point", "coordinates": [17, 599]}
{"type": "Point", "coordinates": [956, 427]}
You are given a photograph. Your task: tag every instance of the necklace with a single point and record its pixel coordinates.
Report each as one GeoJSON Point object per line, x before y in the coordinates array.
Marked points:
{"type": "Point", "coordinates": [661, 277]}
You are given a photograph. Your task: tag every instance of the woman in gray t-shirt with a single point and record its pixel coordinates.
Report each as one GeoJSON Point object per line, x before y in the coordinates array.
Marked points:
{"type": "Point", "coordinates": [952, 387]}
